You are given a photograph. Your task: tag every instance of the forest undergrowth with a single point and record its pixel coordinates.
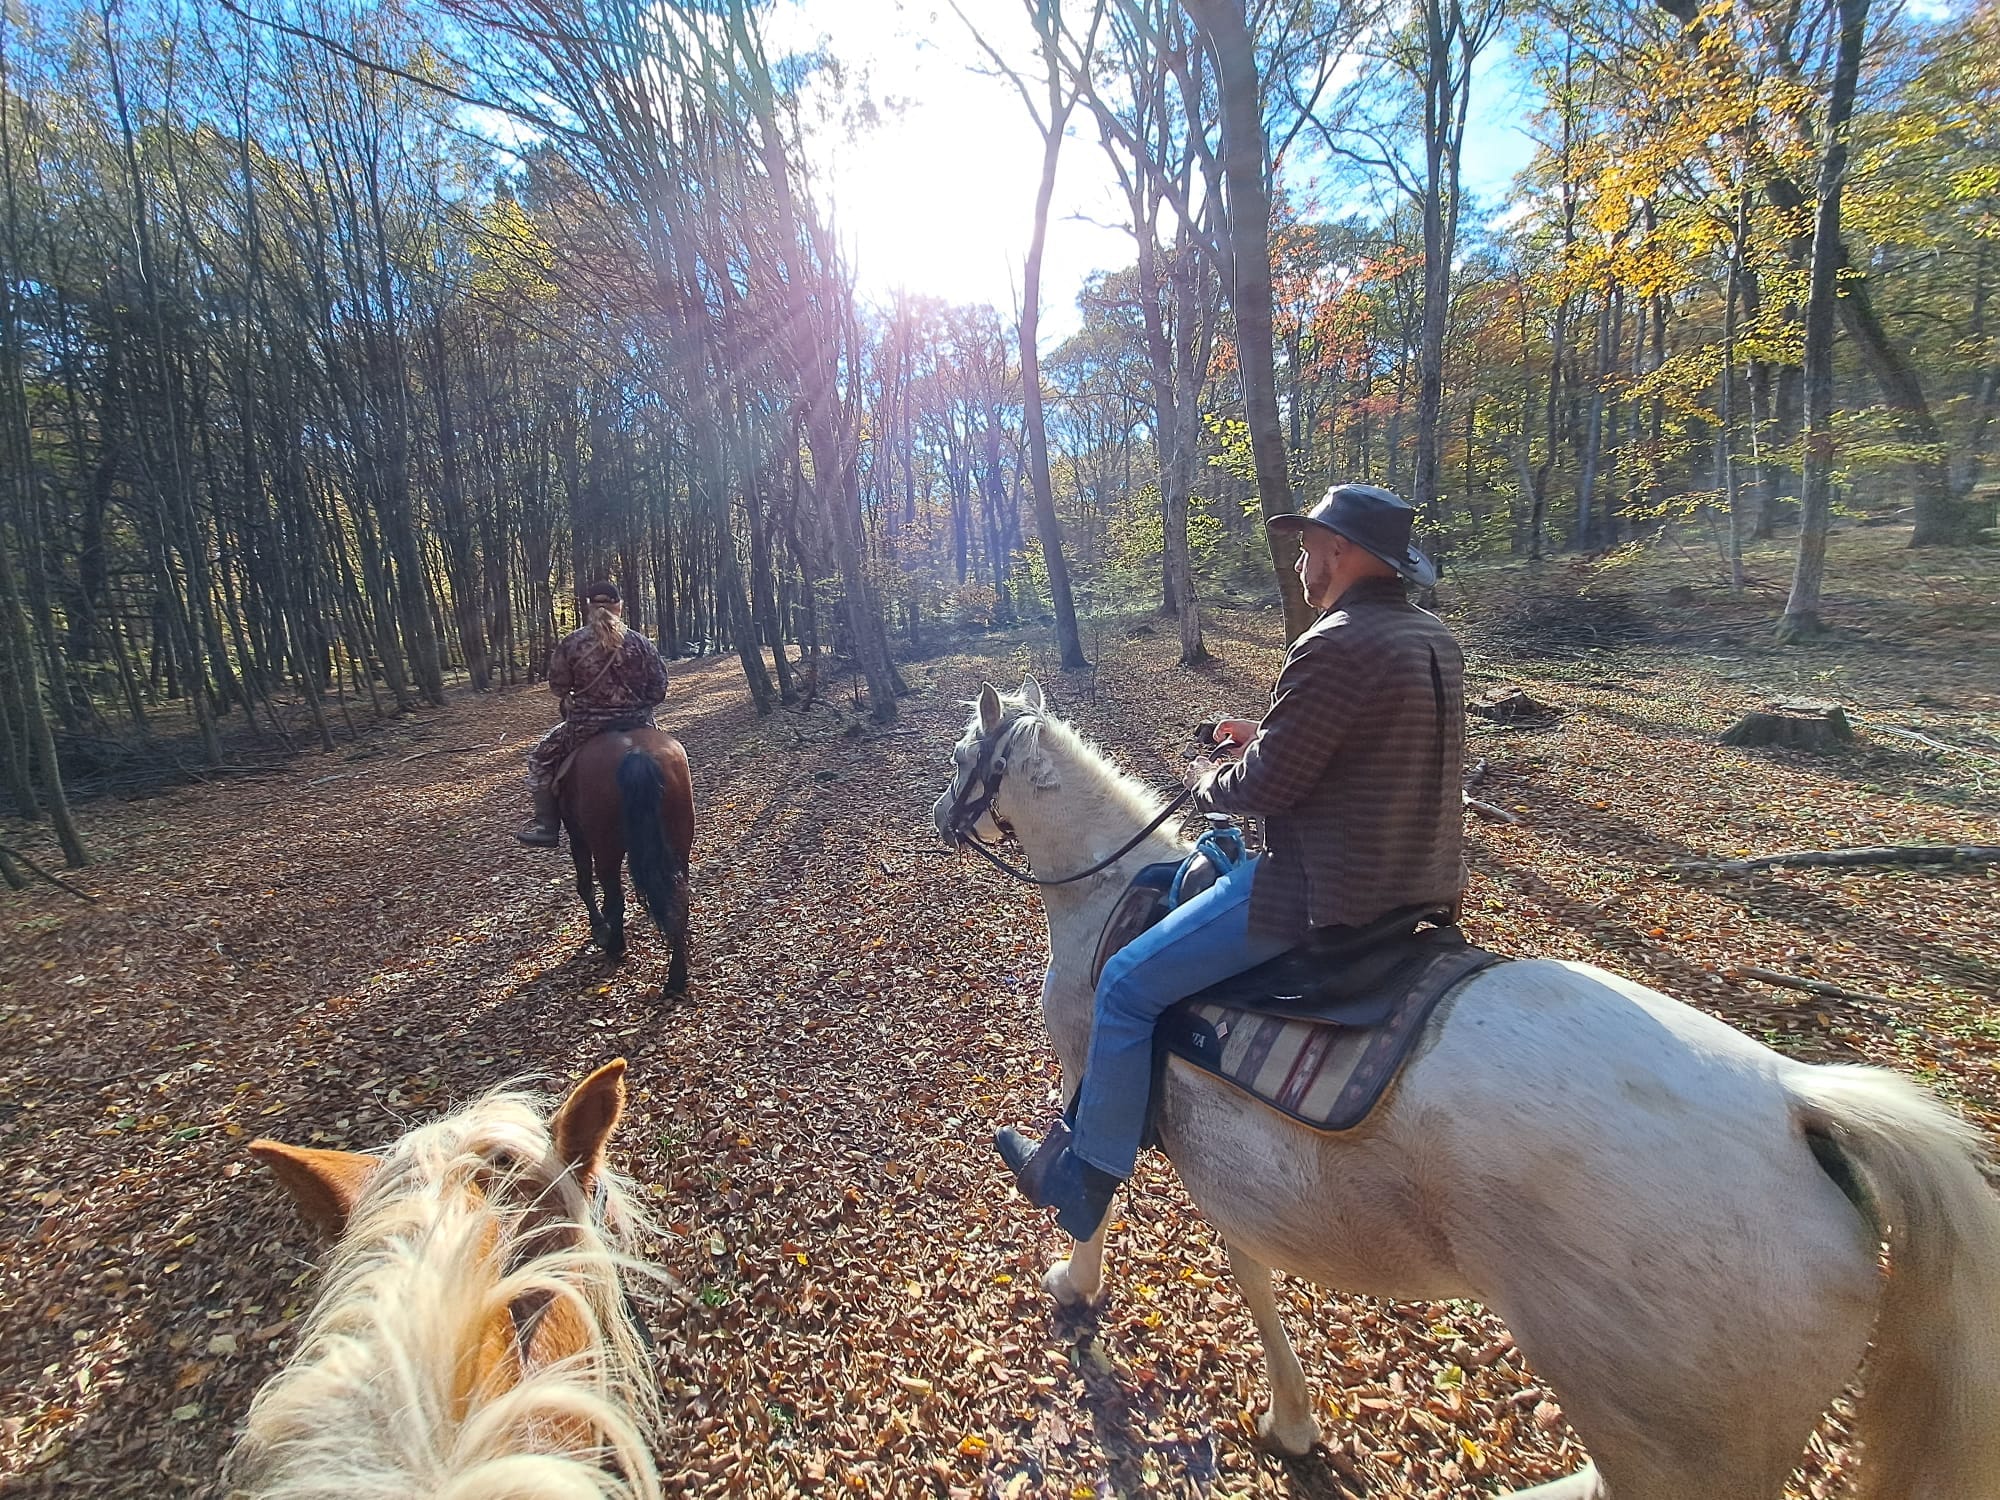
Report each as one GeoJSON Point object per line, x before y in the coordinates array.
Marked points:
{"type": "Point", "coordinates": [332, 953]}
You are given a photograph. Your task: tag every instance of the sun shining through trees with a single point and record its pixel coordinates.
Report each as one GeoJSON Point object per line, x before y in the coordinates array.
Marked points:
{"type": "Point", "coordinates": [927, 161]}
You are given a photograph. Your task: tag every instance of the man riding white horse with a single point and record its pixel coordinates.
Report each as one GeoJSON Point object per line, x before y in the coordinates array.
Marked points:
{"type": "Point", "coordinates": [607, 676]}
{"type": "Point", "coordinates": [1356, 771]}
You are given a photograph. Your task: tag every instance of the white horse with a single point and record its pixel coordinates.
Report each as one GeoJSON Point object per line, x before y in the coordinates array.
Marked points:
{"type": "Point", "coordinates": [473, 1341]}
{"type": "Point", "coordinates": [1681, 1227]}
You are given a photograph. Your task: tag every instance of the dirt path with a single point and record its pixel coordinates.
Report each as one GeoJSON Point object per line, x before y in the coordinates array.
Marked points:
{"type": "Point", "coordinates": [327, 956]}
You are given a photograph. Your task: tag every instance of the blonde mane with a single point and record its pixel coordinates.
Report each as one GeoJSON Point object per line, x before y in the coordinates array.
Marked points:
{"type": "Point", "coordinates": [385, 1397]}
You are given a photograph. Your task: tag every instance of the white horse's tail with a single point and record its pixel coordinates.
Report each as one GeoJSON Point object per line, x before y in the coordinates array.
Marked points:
{"type": "Point", "coordinates": [1930, 1420]}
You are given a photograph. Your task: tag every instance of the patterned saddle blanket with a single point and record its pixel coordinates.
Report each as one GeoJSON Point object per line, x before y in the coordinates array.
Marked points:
{"type": "Point", "coordinates": [1319, 1033]}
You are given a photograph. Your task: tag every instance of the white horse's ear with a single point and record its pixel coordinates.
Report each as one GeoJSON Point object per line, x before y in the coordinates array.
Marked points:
{"type": "Point", "coordinates": [989, 708]}
{"type": "Point", "coordinates": [1031, 693]}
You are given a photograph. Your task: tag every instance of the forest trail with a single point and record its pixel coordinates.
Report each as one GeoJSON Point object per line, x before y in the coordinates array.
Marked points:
{"type": "Point", "coordinates": [359, 943]}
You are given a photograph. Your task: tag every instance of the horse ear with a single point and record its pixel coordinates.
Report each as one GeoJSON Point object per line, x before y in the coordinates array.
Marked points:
{"type": "Point", "coordinates": [325, 1185]}
{"type": "Point", "coordinates": [587, 1118]}
{"type": "Point", "coordinates": [989, 708]}
{"type": "Point", "coordinates": [1031, 693]}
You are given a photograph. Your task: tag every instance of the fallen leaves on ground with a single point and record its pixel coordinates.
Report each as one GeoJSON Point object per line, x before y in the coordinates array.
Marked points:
{"type": "Point", "coordinates": [854, 1300]}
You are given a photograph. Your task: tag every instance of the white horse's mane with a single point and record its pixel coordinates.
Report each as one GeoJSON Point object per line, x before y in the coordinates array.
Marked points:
{"type": "Point", "coordinates": [372, 1405]}
{"type": "Point", "coordinates": [1116, 797]}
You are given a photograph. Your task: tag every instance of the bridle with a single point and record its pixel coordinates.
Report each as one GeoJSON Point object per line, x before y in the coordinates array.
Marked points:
{"type": "Point", "coordinates": [984, 779]}
{"type": "Point", "coordinates": [526, 1312]}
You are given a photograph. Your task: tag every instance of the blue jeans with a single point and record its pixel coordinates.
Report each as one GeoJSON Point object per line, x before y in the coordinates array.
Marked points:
{"type": "Point", "coordinates": [1199, 942]}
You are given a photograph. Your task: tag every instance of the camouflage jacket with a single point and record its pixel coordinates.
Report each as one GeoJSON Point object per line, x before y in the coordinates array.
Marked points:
{"type": "Point", "coordinates": [597, 686]}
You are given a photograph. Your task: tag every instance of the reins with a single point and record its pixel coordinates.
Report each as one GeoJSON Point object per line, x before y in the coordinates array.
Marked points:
{"type": "Point", "coordinates": [995, 766]}
{"type": "Point", "coordinates": [985, 852]}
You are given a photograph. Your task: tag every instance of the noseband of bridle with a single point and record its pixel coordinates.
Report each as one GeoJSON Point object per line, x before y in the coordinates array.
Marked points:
{"type": "Point", "coordinates": [984, 780]}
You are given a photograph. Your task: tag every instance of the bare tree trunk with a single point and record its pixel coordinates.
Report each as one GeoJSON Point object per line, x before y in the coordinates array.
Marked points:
{"type": "Point", "coordinates": [41, 741]}
{"type": "Point", "coordinates": [1801, 618]}
{"type": "Point", "coordinates": [1046, 522]}
{"type": "Point", "coordinates": [1726, 432]}
{"type": "Point", "coordinates": [1248, 205]}
{"type": "Point", "coordinates": [1453, 42]}
{"type": "Point", "coordinates": [1608, 326]}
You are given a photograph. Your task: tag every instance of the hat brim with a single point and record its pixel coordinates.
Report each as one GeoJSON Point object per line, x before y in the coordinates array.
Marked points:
{"type": "Point", "coordinates": [1414, 565]}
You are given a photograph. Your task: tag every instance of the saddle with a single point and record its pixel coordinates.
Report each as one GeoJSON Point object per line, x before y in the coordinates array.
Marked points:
{"type": "Point", "coordinates": [1320, 1032]}
{"type": "Point", "coordinates": [621, 727]}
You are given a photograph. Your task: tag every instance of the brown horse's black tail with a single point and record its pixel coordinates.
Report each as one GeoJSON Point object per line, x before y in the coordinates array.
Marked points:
{"type": "Point", "coordinates": [659, 870]}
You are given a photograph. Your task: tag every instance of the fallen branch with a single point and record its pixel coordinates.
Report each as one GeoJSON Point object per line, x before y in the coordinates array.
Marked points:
{"type": "Point", "coordinates": [1924, 739]}
{"type": "Point", "coordinates": [452, 750]}
{"type": "Point", "coordinates": [54, 880]}
{"type": "Point", "coordinates": [1896, 854]}
{"type": "Point", "coordinates": [1810, 986]}
{"type": "Point", "coordinates": [1489, 811]}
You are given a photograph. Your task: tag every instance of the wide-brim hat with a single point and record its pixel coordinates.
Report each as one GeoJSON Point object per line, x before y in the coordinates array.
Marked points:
{"type": "Point", "coordinates": [1372, 518]}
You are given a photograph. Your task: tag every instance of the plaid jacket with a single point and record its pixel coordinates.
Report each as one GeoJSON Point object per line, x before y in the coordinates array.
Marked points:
{"type": "Point", "coordinates": [598, 690]}
{"type": "Point", "coordinates": [1357, 769]}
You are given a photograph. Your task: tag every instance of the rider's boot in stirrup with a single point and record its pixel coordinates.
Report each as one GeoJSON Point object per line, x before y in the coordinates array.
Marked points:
{"type": "Point", "coordinates": [546, 831]}
{"type": "Point", "coordinates": [1050, 1175]}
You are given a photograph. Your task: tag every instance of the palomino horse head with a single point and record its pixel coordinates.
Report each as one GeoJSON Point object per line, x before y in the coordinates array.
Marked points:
{"type": "Point", "coordinates": [474, 1335]}
{"type": "Point", "coordinates": [980, 759]}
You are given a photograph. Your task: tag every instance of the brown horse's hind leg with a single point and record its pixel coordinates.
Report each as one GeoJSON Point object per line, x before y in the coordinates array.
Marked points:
{"type": "Point", "coordinates": [579, 854]}
{"type": "Point", "coordinates": [677, 968]}
{"type": "Point", "coordinates": [613, 935]}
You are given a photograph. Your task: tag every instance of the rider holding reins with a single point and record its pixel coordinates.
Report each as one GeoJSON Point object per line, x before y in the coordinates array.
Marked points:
{"type": "Point", "coordinates": [1356, 771]}
{"type": "Point", "coordinates": [607, 676]}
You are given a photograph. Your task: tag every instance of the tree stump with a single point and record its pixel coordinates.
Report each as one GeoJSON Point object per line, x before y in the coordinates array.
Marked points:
{"type": "Point", "coordinates": [1511, 706]}
{"type": "Point", "coordinates": [1793, 724]}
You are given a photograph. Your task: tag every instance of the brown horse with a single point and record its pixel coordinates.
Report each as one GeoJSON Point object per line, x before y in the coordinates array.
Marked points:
{"type": "Point", "coordinates": [627, 792]}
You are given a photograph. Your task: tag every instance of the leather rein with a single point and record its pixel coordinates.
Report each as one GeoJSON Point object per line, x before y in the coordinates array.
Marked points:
{"type": "Point", "coordinates": [967, 811]}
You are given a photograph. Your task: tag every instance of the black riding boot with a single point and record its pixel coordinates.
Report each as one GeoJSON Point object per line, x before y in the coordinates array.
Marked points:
{"type": "Point", "coordinates": [546, 831]}
{"type": "Point", "coordinates": [1053, 1176]}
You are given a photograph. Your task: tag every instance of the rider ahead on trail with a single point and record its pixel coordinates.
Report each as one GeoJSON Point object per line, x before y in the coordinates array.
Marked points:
{"type": "Point", "coordinates": [1356, 771]}
{"type": "Point", "coordinates": [607, 676]}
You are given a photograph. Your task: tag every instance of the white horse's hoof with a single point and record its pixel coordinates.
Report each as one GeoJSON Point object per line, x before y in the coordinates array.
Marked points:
{"type": "Point", "coordinates": [1059, 1284]}
{"type": "Point", "coordinates": [1287, 1439]}
{"type": "Point", "coordinates": [1582, 1485]}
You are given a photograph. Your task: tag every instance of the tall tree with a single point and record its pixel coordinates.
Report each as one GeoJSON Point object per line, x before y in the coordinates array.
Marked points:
{"type": "Point", "coordinates": [1051, 114]}
{"type": "Point", "coordinates": [1246, 200]}
{"type": "Point", "coordinates": [1801, 616]}
{"type": "Point", "coordinates": [1453, 38]}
